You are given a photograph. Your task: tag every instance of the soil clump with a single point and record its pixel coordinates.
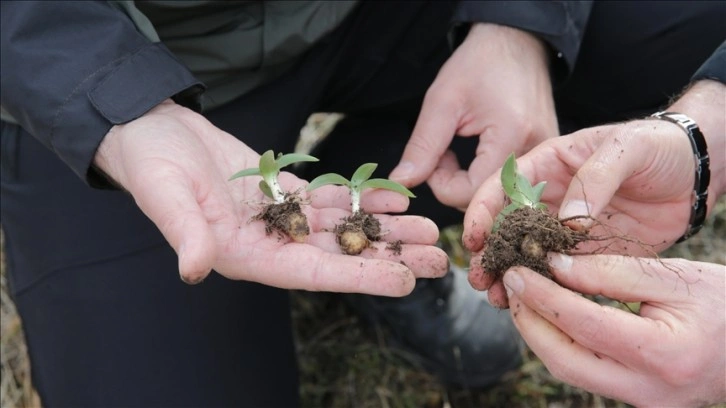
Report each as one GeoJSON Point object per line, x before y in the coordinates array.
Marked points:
{"type": "Point", "coordinates": [357, 232]}
{"type": "Point", "coordinates": [524, 237]}
{"type": "Point", "coordinates": [286, 218]}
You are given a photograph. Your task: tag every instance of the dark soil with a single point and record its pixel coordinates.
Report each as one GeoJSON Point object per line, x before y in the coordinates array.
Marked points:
{"type": "Point", "coordinates": [524, 237]}
{"type": "Point", "coordinates": [285, 218]}
{"type": "Point", "coordinates": [357, 232]}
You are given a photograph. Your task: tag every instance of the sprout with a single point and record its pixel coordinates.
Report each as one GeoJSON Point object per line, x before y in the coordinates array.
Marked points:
{"type": "Point", "coordinates": [269, 169]}
{"type": "Point", "coordinates": [359, 182]}
{"type": "Point", "coordinates": [519, 190]}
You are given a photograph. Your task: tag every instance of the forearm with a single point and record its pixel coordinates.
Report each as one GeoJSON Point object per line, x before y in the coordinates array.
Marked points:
{"type": "Point", "coordinates": [705, 102]}
{"type": "Point", "coordinates": [558, 24]}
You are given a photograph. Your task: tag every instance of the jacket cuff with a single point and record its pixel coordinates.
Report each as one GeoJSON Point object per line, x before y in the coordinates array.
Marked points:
{"type": "Point", "coordinates": [120, 92]}
{"type": "Point", "coordinates": [560, 24]}
{"type": "Point", "coordinates": [714, 68]}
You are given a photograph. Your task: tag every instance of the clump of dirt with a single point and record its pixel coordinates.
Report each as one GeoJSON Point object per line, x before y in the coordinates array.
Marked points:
{"type": "Point", "coordinates": [286, 218]}
{"type": "Point", "coordinates": [357, 232]}
{"type": "Point", "coordinates": [524, 237]}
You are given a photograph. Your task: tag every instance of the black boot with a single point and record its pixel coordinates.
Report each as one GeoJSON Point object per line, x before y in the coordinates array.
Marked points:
{"type": "Point", "coordinates": [450, 327]}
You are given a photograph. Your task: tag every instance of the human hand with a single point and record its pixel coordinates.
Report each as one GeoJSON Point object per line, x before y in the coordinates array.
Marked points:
{"type": "Point", "coordinates": [632, 181]}
{"type": "Point", "coordinates": [496, 86]}
{"type": "Point", "coordinates": [176, 165]}
{"type": "Point", "coordinates": [669, 354]}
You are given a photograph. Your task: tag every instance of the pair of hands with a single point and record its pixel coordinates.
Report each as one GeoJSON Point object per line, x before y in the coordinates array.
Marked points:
{"type": "Point", "coordinates": [176, 165]}
{"type": "Point", "coordinates": [636, 178]}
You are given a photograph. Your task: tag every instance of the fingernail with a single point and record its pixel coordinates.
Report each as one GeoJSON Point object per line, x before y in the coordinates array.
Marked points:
{"type": "Point", "coordinates": [576, 208]}
{"type": "Point", "coordinates": [559, 261]}
{"type": "Point", "coordinates": [402, 172]}
{"type": "Point", "coordinates": [513, 283]}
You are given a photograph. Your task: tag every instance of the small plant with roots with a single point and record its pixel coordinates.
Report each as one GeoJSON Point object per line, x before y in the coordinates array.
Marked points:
{"type": "Point", "coordinates": [284, 214]}
{"type": "Point", "coordinates": [360, 228]}
{"type": "Point", "coordinates": [524, 231]}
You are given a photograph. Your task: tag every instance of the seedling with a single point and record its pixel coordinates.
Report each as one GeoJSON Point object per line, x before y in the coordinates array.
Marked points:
{"type": "Point", "coordinates": [360, 228]}
{"type": "Point", "coordinates": [358, 182]}
{"type": "Point", "coordinates": [284, 214]}
{"type": "Point", "coordinates": [524, 231]}
{"type": "Point", "coordinates": [519, 190]}
{"type": "Point", "coordinates": [269, 168]}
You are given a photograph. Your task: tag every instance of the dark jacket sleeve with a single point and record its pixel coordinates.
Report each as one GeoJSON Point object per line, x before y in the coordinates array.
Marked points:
{"type": "Point", "coordinates": [715, 67]}
{"type": "Point", "coordinates": [72, 70]}
{"type": "Point", "coordinates": [560, 24]}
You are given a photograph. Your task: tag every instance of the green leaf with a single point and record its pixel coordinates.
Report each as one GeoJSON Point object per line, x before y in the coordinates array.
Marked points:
{"type": "Point", "coordinates": [290, 158]}
{"type": "Point", "coordinates": [362, 174]}
{"type": "Point", "coordinates": [387, 185]}
{"type": "Point", "coordinates": [538, 190]}
{"type": "Point", "coordinates": [328, 178]}
{"type": "Point", "coordinates": [246, 172]}
{"type": "Point", "coordinates": [509, 176]}
{"type": "Point", "coordinates": [525, 190]}
{"type": "Point", "coordinates": [265, 188]}
{"type": "Point", "coordinates": [268, 167]}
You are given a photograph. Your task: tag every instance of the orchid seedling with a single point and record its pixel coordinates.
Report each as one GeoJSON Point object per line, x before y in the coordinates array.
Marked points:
{"type": "Point", "coordinates": [269, 168]}
{"type": "Point", "coordinates": [358, 182]}
{"type": "Point", "coordinates": [520, 191]}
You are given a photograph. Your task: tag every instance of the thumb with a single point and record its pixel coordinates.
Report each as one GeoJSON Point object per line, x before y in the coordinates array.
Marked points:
{"type": "Point", "coordinates": [430, 139]}
{"type": "Point", "coordinates": [617, 157]}
{"type": "Point", "coordinates": [171, 204]}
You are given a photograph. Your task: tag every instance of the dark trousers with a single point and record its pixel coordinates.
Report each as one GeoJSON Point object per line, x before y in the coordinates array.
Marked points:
{"type": "Point", "coordinates": [107, 320]}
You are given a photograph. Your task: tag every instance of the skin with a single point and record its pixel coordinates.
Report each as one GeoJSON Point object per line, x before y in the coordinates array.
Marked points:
{"type": "Point", "coordinates": [637, 177]}
{"type": "Point", "coordinates": [496, 86]}
{"type": "Point", "coordinates": [176, 165]}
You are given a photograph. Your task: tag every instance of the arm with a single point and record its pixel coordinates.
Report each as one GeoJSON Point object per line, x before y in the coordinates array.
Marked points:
{"type": "Point", "coordinates": [71, 70]}
{"type": "Point", "coordinates": [101, 95]}
{"type": "Point", "coordinates": [497, 86]}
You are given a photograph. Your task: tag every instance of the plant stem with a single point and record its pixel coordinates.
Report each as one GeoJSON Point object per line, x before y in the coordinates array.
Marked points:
{"type": "Point", "coordinates": [277, 194]}
{"type": "Point", "coordinates": [355, 200]}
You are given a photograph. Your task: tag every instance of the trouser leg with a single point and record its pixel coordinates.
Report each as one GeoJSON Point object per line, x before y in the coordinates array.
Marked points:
{"type": "Point", "coordinates": [108, 322]}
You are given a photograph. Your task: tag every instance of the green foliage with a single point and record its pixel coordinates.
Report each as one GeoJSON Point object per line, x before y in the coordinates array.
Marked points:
{"type": "Point", "coordinates": [269, 168]}
{"type": "Point", "coordinates": [358, 182]}
{"type": "Point", "coordinates": [520, 191]}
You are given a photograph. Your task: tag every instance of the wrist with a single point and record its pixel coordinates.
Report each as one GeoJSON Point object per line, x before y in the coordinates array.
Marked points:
{"type": "Point", "coordinates": [528, 46]}
{"type": "Point", "coordinates": [705, 103]}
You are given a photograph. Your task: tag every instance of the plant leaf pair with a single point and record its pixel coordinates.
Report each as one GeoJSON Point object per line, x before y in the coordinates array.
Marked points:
{"type": "Point", "coordinates": [360, 181]}
{"type": "Point", "coordinates": [520, 191]}
{"type": "Point", "coordinates": [269, 168]}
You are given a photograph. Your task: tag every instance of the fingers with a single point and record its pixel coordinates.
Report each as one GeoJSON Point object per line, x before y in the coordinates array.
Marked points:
{"type": "Point", "coordinates": [171, 203]}
{"type": "Point", "coordinates": [434, 130]}
{"type": "Point", "coordinates": [620, 156]}
{"type": "Point", "coordinates": [425, 261]}
{"type": "Point", "coordinates": [570, 361]}
{"type": "Point", "coordinates": [454, 186]}
{"type": "Point", "coordinates": [306, 267]}
{"type": "Point", "coordinates": [626, 278]}
{"type": "Point", "coordinates": [604, 330]}
{"type": "Point", "coordinates": [373, 201]}
{"type": "Point", "coordinates": [487, 202]}
{"type": "Point", "coordinates": [411, 229]}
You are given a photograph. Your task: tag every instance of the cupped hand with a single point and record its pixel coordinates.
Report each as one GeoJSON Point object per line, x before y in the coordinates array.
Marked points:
{"type": "Point", "coordinates": [631, 184]}
{"type": "Point", "coordinates": [176, 165]}
{"type": "Point", "coordinates": [669, 354]}
{"type": "Point", "coordinates": [495, 86]}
